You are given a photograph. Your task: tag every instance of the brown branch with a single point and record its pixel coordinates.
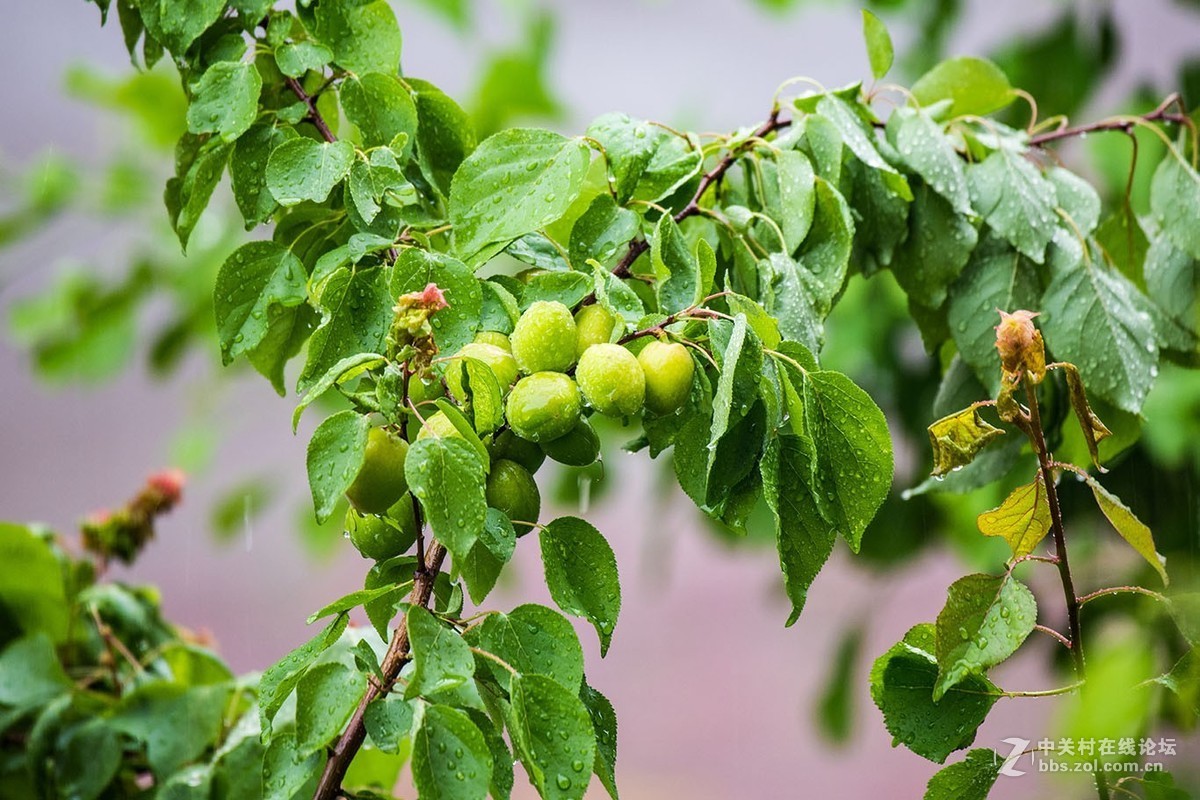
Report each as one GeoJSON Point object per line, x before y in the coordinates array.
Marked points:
{"type": "Point", "coordinates": [397, 656]}
{"type": "Point", "coordinates": [1037, 438]}
{"type": "Point", "coordinates": [639, 246]}
{"type": "Point", "coordinates": [314, 115]}
{"type": "Point", "coordinates": [1124, 124]}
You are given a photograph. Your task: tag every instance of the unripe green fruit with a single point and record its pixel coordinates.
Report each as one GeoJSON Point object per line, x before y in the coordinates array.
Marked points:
{"type": "Point", "coordinates": [438, 425]}
{"type": "Point", "coordinates": [544, 338]}
{"type": "Point", "coordinates": [494, 338]}
{"type": "Point", "coordinates": [381, 538]}
{"type": "Point", "coordinates": [420, 391]}
{"type": "Point", "coordinates": [511, 489]}
{"type": "Point", "coordinates": [611, 380]}
{"type": "Point", "coordinates": [500, 362]}
{"type": "Point", "coordinates": [578, 448]}
{"type": "Point", "coordinates": [593, 325]}
{"type": "Point", "coordinates": [512, 447]}
{"type": "Point", "coordinates": [669, 370]}
{"type": "Point", "coordinates": [543, 406]}
{"type": "Point", "coordinates": [380, 481]}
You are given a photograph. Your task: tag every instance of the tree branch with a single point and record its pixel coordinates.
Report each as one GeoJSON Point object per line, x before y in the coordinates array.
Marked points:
{"type": "Point", "coordinates": [639, 246]}
{"type": "Point", "coordinates": [1125, 124]}
{"type": "Point", "coordinates": [397, 656]}
{"type": "Point", "coordinates": [314, 116]}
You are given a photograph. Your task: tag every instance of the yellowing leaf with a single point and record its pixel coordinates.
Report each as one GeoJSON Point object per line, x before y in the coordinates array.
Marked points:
{"type": "Point", "coordinates": [958, 438]}
{"type": "Point", "coordinates": [1132, 529]}
{"type": "Point", "coordinates": [1023, 519]}
{"type": "Point", "coordinates": [1094, 431]}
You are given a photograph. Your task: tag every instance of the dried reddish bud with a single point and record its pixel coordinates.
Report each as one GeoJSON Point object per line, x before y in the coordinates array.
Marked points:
{"type": "Point", "coordinates": [168, 484]}
{"type": "Point", "coordinates": [1020, 345]}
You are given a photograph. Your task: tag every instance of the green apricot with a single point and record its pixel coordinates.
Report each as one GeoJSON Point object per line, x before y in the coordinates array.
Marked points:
{"type": "Point", "coordinates": [578, 448]}
{"type": "Point", "coordinates": [669, 370]}
{"type": "Point", "coordinates": [511, 489]}
{"type": "Point", "coordinates": [544, 338]}
{"type": "Point", "coordinates": [383, 537]}
{"type": "Point", "coordinates": [593, 325]}
{"type": "Point", "coordinates": [512, 447]}
{"type": "Point", "coordinates": [611, 380]}
{"type": "Point", "coordinates": [380, 481]}
{"type": "Point", "coordinates": [494, 338]}
{"type": "Point", "coordinates": [500, 362]}
{"type": "Point", "coordinates": [438, 425]}
{"type": "Point", "coordinates": [543, 406]}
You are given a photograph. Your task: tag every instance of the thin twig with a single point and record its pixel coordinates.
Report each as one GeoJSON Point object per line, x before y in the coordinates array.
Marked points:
{"type": "Point", "coordinates": [1064, 641]}
{"type": "Point", "coordinates": [1122, 123]}
{"type": "Point", "coordinates": [314, 115]}
{"type": "Point", "coordinates": [639, 246]}
{"type": "Point", "coordinates": [1087, 598]}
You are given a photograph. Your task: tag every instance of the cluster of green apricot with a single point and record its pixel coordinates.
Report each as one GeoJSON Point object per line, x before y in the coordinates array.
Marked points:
{"type": "Point", "coordinates": [554, 370]}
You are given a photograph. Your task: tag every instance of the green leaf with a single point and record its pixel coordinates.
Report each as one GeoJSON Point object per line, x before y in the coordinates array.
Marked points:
{"type": "Point", "coordinates": [1131, 529]}
{"type": "Point", "coordinates": [495, 546]}
{"type": "Point", "coordinates": [255, 282]}
{"type": "Point", "coordinates": [285, 773]}
{"type": "Point", "coordinates": [356, 308]}
{"type": "Point", "coordinates": [969, 779]}
{"type": "Point", "coordinates": [364, 37]}
{"type": "Point", "coordinates": [445, 135]}
{"type": "Point", "coordinates": [924, 147]}
{"type": "Point", "coordinates": [335, 455]}
{"type": "Point", "coordinates": [88, 758]}
{"type": "Point", "coordinates": [32, 597]}
{"type": "Point", "coordinates": [853, 452]}
{"type": "Point", "coordinates": [958, 438]}
{"type": "Point", "coordinates": [247, 171]}
{"type": "Point", "coordinates": [1095, 319]}
{"type": "Point", "coordinates": [1175, 201]}
{"type": "Point", "coordinates": [939, 245]}
{"type": "Point", "coordinates": [741, 358]}
{"type": "Point", "coordinates": [902, 682]}
{"type": "Point", "coordinates": [553, 736]}
{"type": "Point", "coordinates": [858, 138]}
{"type": "Point", "coordinates": [450, 758]}
{"type": "Point", "coordinates": [825, 253]}
{"type": "Point", "coordinates": [1015, 200]}
{"type": "Point", "coordinates": [198, 168]}
{"type": "Point", "coordinates": [802, 535]}
{"type": "Point", "coordinates": [879, 44]}
{"type": "Point", "coordinates": [974, 86]}
{"type": "Point", "coordinates": [325, 698]}
{"type": "Point", "coordinates": [177, 23]}
{"type": "Point", "coordinates": [441, 659]}
{"type": "Point", "coordinates": [356, 599]}
{"type": "Point", "coordinates": [388, 720]}
{"type": "Point", "coordinates": [675, 267]}
{"type": "Point", "coordinates": [225, 100]}
{"type": "Point", "coordinates": [797, 195]}
{"type": "Point", "coordinates": [646, 161]}
{"type": "Point", "coordinates": [604, 723]}
{"type": "Point", "coordinates": [347, 369]}
{"type": "Point", "coordinates": [151, 714]}
{"type": "Point", "coordinates": [447, 474]}
{"type": "Point", "coordinates": [603, 233]}
{"type": "Point", "coordinates": [30, 671]}
{"type": "Point", "coordinates": [303, 169]}
{"type": "Point", "coordinates": [1094, 431]}
{"type": "Point", "coordinates": [296, 58]}
{"type": "Point", "coordinates": [581, 573]}
{"type": "Point", "coordinates": [280, 679]}
{"type": "Point", "coordinates": [836, 709]}
{"type": "Point", "coordinates": [534, 640]}
{"type": "Point", "coordinates": [517, 181]}
{"type": "Point", "coordinates": [381, 108]}
{"type": "Point", "coordinates": [984, 621]}
{"type": "Point", "coordinates": [1022, 520]}
{"type": "Point", "coordinates": [996, 277]}
{"type": "Point", "coordinates": [1077, 199]}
